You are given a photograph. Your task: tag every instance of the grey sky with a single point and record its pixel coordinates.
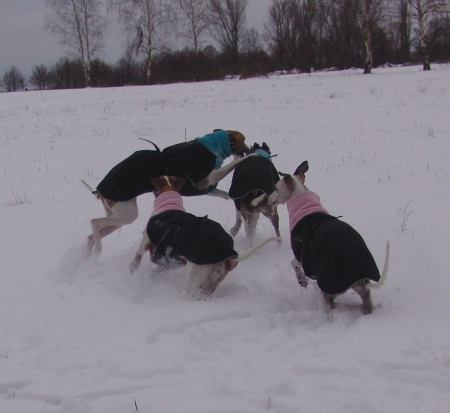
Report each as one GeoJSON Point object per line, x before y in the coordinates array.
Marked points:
{"type": "Point", "coordinates": [25, 43]}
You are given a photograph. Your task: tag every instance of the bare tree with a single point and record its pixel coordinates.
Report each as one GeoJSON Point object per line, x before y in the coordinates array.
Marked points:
{"type": "Point", "coordinates": [307, 19]}
{"type": "Point", "coordinates": [294, 30]}
{"type": "Point", "coordinates": [13, 80]}
{"type": "Point", "coordinates": [275, 31]}
{"type": "Point", "coordinates": [251, 42]}
{"type": "Point", "coordinates": [323, 12]}
{"type": "Point", "coordinates": [40, 77]}
{"type": "Point", "coordinates": [67, 74]}
{"type": "Point", "coordinates": [145, 23]}
{"type": "Point", "coordinates": [228, 17]}
{"type": "Point", "coordinates": [422, 11]}
{"type": "Point", "coordinates": [196, 22]}
{"type": "Point", "coordinates": [369, 12]}
{"type": "Point", "coordinates": [399, 22]}
{"type": "Point", "coordinates": [80, 27]}
{"type": "Point", "coordinates": [343, 34]}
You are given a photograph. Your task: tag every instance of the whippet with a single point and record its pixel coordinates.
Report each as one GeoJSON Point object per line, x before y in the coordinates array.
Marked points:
{"type": "Point", "coordinates": [325, 248]}
{"type": "Point", "coordinates": [175, 237]}
{"type": "Point", "coordinates": [198, 161]}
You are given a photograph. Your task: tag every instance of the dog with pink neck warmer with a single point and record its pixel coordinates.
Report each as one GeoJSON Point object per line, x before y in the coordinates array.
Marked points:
{"type": "Point", "coordinates": [326, 249]}
{"type": "Point", "coordinates": [175, 237]}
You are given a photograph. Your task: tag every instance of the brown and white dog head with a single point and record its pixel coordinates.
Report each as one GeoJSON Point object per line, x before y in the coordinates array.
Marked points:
{"type": "Point", "coordinates": [289, 185]}
{"type": "Point", "coordinates": [168, 183]}
{"type": "Point", "coordinates": [237, 142]}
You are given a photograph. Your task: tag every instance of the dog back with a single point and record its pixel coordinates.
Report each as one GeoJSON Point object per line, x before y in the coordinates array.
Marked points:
{"type": "Point", "coordinates": [332, 252]}
{"type": "Point", "coordinates": [191, 161]}
{"type": "Point", "coordinates": [198, 239]}
{"type": "Point", "coordinates": [132, 177]}
{"type": "Point", "coordinates": [255, 173]}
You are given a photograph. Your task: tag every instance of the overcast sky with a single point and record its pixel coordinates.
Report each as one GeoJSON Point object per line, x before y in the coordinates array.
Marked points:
{"type": "Point", "coordinates": [25, 43]}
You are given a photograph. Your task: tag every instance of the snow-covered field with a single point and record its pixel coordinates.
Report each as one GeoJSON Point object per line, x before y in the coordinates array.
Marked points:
{"type": "Point", "coordinates": [88, 337]}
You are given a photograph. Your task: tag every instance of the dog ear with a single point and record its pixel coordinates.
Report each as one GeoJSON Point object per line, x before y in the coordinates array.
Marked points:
{"type": "Point", "coordinates": [255, 146]}
{"type": "Point", "coordinates": [180, 182]}
{"type": "Point", "coordinates": [216, 130]}
{"type": "Point", "coordinates": [156, 182]}
{"type": "Point", "coordinates": [302, 168]}
{"type": "Point", "coordinates": [265, 147]}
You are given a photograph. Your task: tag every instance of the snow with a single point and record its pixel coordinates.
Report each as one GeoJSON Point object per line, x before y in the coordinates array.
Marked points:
{"type": "Point", "coordinates": [87, 336]}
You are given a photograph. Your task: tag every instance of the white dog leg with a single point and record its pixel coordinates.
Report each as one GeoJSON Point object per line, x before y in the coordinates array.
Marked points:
{"type": "Point", "coordinates": [143, 247]}
{"type": "Point", "coordinates": [237, 225]}
{"type": "Point", "coordinates": [218, 193]}
{"type": "Point", "coordinates": [200, 281]}
{"type": "Point", "coordinates": [121, 213]}
{"type": "Point", "coordinates": [299, 273]}
{"type": "Point", "coordinates": [365, 294]}
{"type": "Point", "coordinates": [218, 174]}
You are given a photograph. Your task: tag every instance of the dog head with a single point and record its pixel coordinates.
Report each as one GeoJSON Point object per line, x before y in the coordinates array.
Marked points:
{"type": "Point", "coordinates": [237, 142]}
{"type": "Point", "coordinates": [289, 185]}
{"type": "Point", "coordinates": [168, 183]}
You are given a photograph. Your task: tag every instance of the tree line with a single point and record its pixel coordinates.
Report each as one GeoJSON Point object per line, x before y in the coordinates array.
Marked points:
{"type": "Point", "coordinates": [195, 40]}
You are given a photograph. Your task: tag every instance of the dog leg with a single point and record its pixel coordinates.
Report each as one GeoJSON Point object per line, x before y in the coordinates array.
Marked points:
{"type": "Point", "coordinates": [250, 220]}
{"type": "Point", "coordinates": [143, 247]}
{"type": "Point", "coordinates": [272, 214]}
{"type": "Point", "coordinates": [200, 281]}
{"type": "Point", "coordinates": [121, 213]}
{"type": "Point", "coordinates": [218, 193]}
{"type": "Point", "coordinates": [361, 289]}
{"type": "Point", "coordinates": [218, 174]}
{"type": "Point", "coordinates": [216, 274]}
{"type": "Point", "coordinates": [329, 303]}
{"type": "Point", "coordinates": [93, 238]}
{"type": "Point", "coordinates": [237, 225]}
{"type": "Point", "coordinates": [299, 273]}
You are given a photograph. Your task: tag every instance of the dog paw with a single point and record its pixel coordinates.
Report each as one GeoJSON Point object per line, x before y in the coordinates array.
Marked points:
{"type": "Point", "coordinates": [303, 281]}
{"type": "Point", "coordinates": [97, 248]}
{"type": "Point", "coordinates": [89, 246]}
{"type": "Point", "coordinates": [134, 265]}
{"type": "Point", "coordinates": [234, 231]}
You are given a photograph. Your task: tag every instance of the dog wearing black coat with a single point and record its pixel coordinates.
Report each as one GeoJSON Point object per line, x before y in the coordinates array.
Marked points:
{"type": "Point", "coordinates": [175, 237]}
{"type": "Point", "coordinates": [253, 180]}
{"type": "Point", "coordinates": [198, 161]}
{"type": "Point", "coordinates": [325, 248]}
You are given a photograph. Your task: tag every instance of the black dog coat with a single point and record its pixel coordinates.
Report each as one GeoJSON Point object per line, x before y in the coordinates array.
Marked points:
{"type": "Point", "coordinates": [177, 234]}
{"type": "Point", "coordinates": [254, 174]}
{"type": "Point", "coordinates": [191, 160]}
{"type": "Point", "coordinates": [332, 252]}
{"type": "Point", "coordinates": [132, 177]}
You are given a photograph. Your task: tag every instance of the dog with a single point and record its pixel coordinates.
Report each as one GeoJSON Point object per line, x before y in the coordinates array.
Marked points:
{"type": "Point", "coordinates": [175, 238]}
{"type": "Point", "coordinates": [325, 248]}
{"type": "Point", "coordinates": [253, 180]}
{"type": "Point", "coordinates": [198, 161]}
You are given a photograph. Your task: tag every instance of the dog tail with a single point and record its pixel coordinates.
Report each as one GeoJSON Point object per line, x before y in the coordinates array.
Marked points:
{"type": "Point", "coordinates": [380, 283]}
{"type": "Point", "coordinates": [92, 190]}
{"type": "Point", "coordinates": [154, 144]}
{"type": "Point", "coordinates": [251, 251]}
{"type": "Point", "coordinates": [262, 199]}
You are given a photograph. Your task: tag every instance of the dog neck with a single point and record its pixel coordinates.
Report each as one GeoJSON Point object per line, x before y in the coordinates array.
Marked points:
{"type": "Point", "coordinates": [166, 189]}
